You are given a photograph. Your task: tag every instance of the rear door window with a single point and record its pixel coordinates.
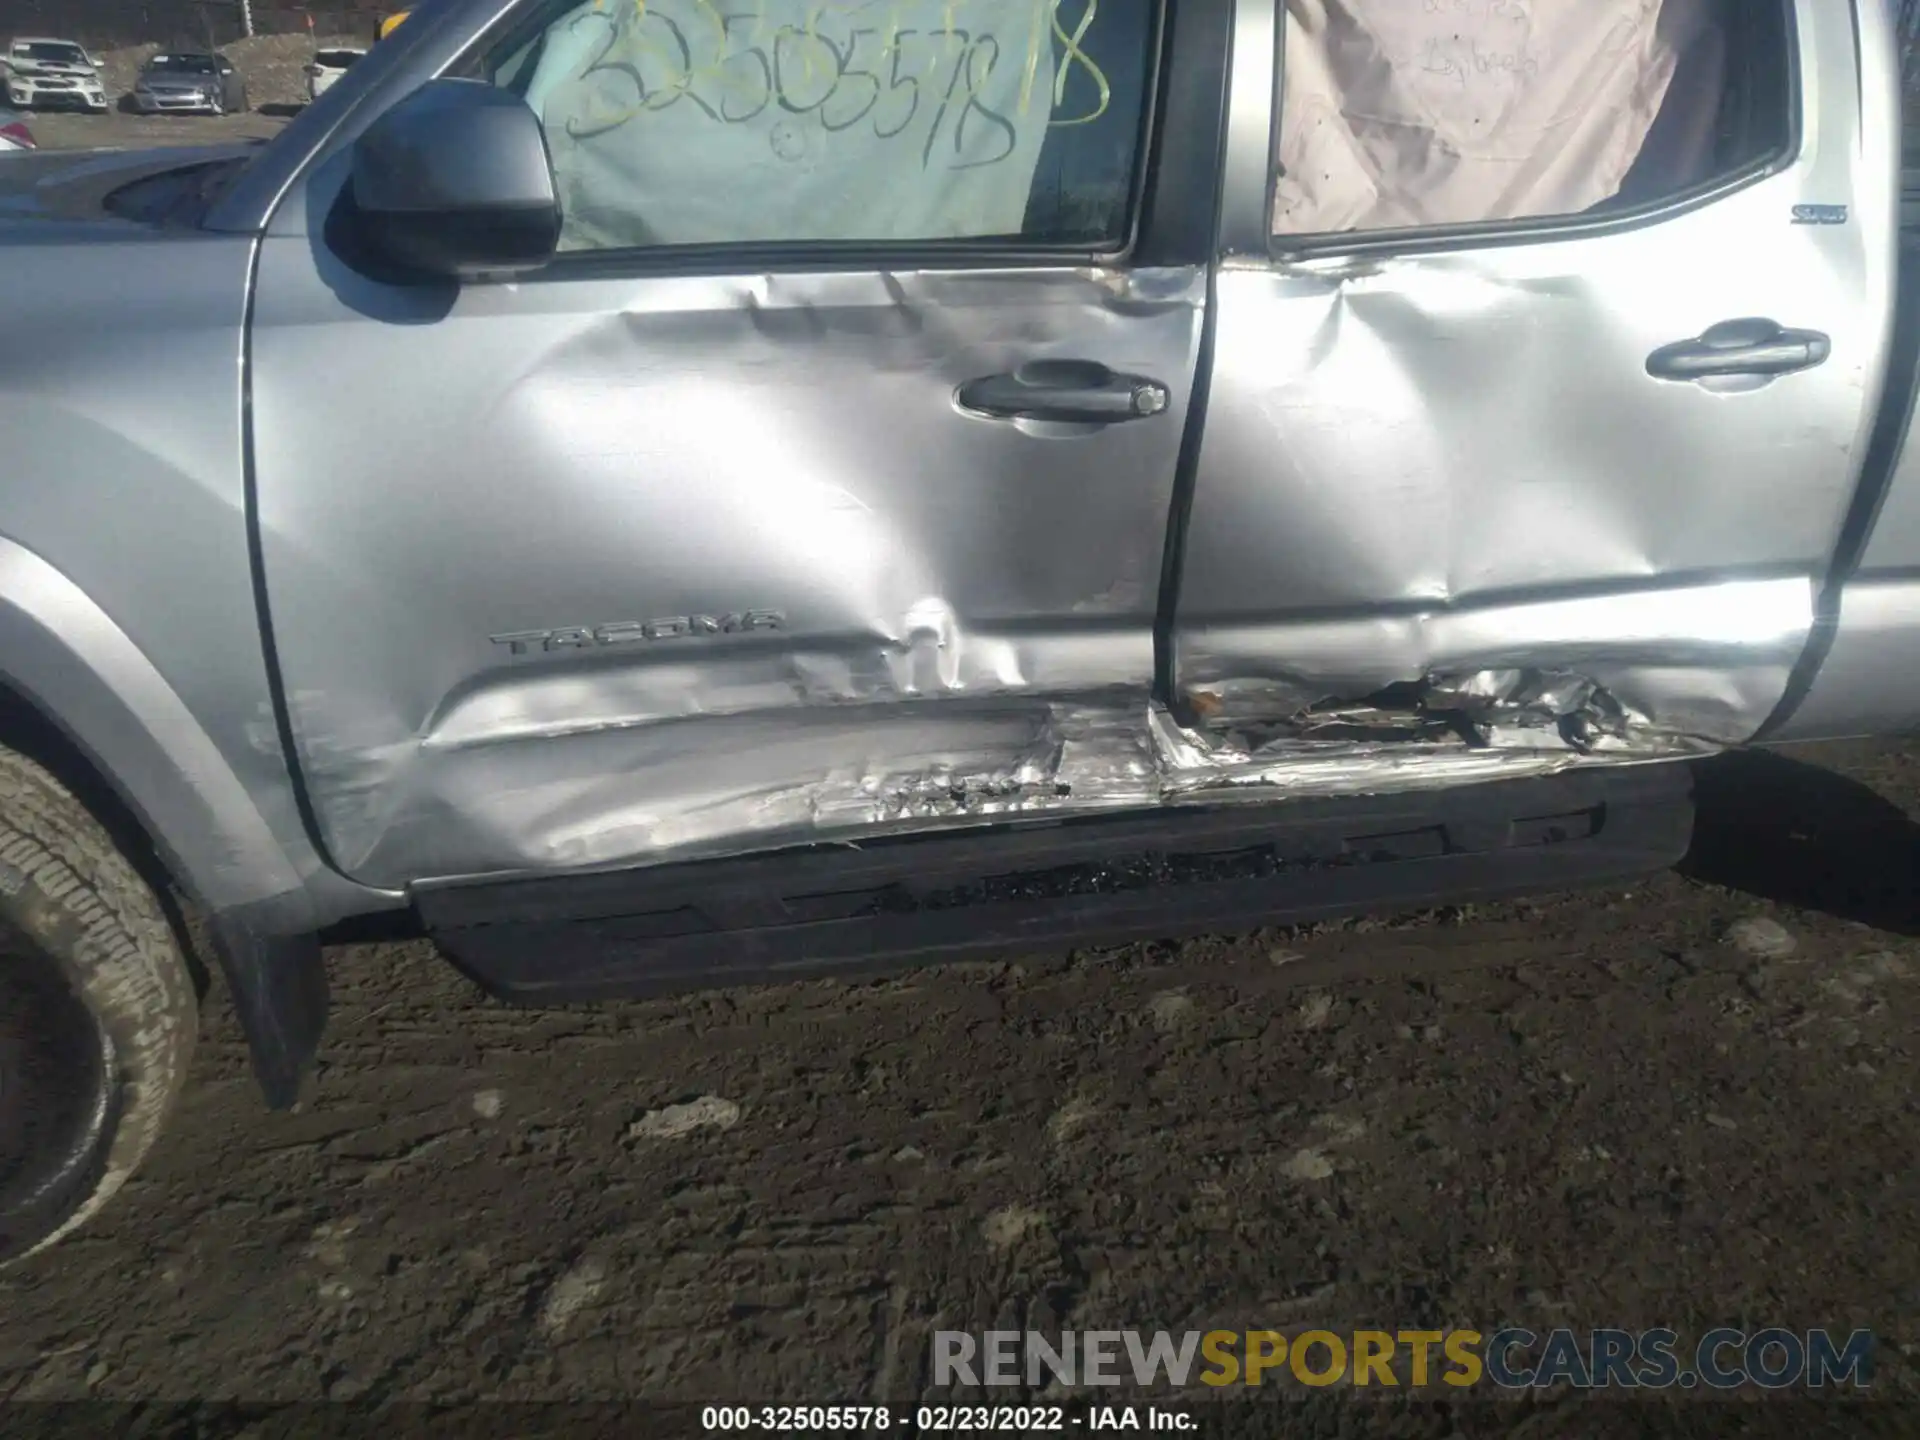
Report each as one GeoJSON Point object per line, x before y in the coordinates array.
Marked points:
{"type": "Point", "coordinates": [1422, 114]}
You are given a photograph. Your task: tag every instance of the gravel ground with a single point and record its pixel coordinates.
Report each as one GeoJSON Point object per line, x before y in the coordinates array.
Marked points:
{"type": "Point", "coordinates": [58, 131]}
{"type": "Point", "coordinates": [1689, 1104]}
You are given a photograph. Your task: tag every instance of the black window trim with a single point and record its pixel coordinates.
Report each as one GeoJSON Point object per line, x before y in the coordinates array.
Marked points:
{"type": "Point", "coordinates": [1546, 229]}
{"type": "Point", "coordinates": [1169, 63]}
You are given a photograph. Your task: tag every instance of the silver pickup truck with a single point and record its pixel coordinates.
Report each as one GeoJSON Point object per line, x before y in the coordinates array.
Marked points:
{"type": "Point", "coordinates": [669, 495]}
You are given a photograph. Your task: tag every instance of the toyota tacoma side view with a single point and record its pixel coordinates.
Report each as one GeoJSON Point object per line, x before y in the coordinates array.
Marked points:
{"type": "Point", "coordinates": [667, 498]}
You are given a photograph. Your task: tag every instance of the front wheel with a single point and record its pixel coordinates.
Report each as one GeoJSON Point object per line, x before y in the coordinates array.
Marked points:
{"type": "Point", "coordinates": [98, 1012]}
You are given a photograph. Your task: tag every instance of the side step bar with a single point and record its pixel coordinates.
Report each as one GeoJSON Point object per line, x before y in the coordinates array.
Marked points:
{"type": "Point", "coordinates": [824, 909]}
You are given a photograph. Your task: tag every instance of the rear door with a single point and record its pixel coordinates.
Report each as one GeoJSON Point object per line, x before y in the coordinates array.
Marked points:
{"type": "Point", "coordinates": [822, 484]}
{"type": "Point", "coordinates": [1573, 466]}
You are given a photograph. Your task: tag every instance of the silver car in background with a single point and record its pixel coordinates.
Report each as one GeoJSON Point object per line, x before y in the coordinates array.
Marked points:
{"type": "Point", "coordinates": [189, 83]}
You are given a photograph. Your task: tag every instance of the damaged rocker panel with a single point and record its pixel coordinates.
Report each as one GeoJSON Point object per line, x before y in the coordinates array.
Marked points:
{"type": "Point", "coordinates": [1641, 678]}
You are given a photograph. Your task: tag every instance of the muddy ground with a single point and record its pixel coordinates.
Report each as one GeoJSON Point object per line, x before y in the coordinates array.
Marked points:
{"type": "Point", "coordinates": [1626, 1108]}
{"type": "Point", "coordinates": [61, 130]}
{"type": "Point", "coordinates": [1619, 1108]}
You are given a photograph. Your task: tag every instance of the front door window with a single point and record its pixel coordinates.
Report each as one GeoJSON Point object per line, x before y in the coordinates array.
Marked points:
{"type": "Point", "coordinates": [690, 122]}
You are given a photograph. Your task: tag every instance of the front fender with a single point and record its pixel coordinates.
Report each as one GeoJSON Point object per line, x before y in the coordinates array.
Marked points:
{"type": "Point", "coordinates": [67, 657]}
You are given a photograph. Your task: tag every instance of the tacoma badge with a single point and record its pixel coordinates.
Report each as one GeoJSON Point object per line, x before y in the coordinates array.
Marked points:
{"type": "Point", "coordinates": [621, 632]}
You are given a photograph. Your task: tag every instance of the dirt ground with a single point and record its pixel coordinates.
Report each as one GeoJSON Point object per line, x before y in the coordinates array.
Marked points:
{"type": "Point", "coordinates": [1602, 1109]}
{"type": "Point", "coordinates": [56, 130]}
{"type": "Point", "coordinates": [1609, 1109]}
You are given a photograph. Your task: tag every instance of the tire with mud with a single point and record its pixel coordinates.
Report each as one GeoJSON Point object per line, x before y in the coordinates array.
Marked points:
{"type": "Point", "coordinates": [98, 1012]}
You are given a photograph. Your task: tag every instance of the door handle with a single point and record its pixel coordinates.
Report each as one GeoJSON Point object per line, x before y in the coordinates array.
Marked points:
{"type": "Point", "coordinates": [1740, 347]}
{"type": "Point", "coordinates": [1074, 390]}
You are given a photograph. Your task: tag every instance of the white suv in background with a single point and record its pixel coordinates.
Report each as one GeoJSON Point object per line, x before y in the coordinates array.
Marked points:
{"type": "Point", "coordinates": [328, 66]}
{"type": "Point", "coordinates": [44, 73]}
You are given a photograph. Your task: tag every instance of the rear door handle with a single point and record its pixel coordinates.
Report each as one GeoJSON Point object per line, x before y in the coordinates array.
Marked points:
{"type": "Point", "coordinates": [1082, 391]}
{"type": "Point", "coordinates": [1740, 347]}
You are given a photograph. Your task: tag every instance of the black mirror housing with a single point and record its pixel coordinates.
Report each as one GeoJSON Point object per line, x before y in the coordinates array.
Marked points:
{"type": "Point", "coordinates": [455, 182]}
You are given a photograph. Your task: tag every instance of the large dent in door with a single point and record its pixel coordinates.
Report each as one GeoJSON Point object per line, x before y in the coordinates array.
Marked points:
{"type": "Point", "coordinates": [800, 457]}
{"type": "Point", "coordinates": [891, 712]}
{"type": "Point", "coordinates": [1700, 661]}
{"type": "Point", "coordinates": [958, 739]}
{"type": "Point", "coordinates": [1422, 469]}
{"type": "Point", "coordinates": [857, 775]}
{"type": "Point", "coordinates": [1441, 698]}
{"type": "Point", "coordinates": [1435, 432]}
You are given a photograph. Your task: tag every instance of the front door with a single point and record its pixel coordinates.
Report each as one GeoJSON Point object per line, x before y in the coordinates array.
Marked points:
{"type": "Point", "coordinates": [1540, 405]}
{"type": "Point", "coordinates": [821, 484]}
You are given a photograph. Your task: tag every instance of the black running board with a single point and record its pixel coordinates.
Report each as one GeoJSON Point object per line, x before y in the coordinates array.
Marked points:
{"type": "Point", "coordinates": [820, 910]}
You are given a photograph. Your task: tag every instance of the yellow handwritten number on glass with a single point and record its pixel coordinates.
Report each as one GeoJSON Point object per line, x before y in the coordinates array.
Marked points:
{"type": "Point", "coordinates": [1075, 53]}
{"type": "Point", "coordinates": [633, 37]}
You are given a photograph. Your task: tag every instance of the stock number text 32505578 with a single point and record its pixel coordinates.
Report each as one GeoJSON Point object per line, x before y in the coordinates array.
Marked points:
{"type": "Point", "coordinates": [859, 63]}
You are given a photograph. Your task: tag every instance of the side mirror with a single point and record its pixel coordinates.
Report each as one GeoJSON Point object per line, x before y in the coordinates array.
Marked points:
{"type": "Point", "coordinates": [455, 182]}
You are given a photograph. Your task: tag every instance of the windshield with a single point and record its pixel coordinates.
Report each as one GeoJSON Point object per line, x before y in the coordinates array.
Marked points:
{"type": "Point", "coordinates": [42, 50]}
{"type": "Point", "coordinates": [181, 64]}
